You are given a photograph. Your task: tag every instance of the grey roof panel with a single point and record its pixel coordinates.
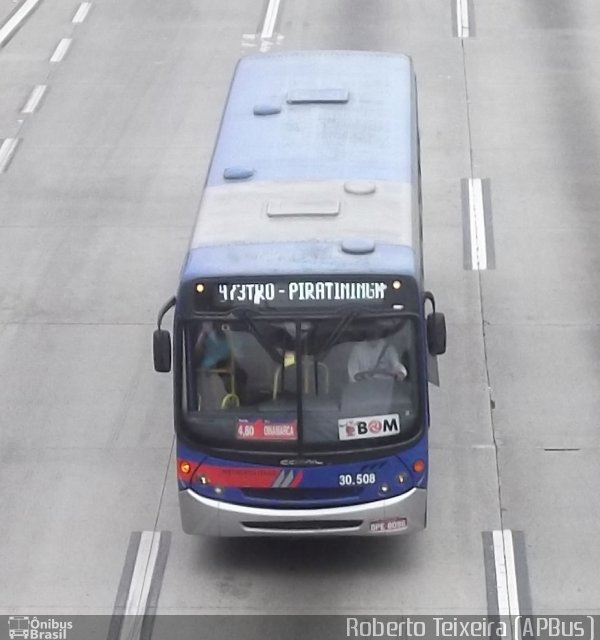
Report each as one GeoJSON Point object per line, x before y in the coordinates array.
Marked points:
{"type": "Point", "coordinates": [238, 212]}
{"type": "Point", "coordinates": [287, 258]}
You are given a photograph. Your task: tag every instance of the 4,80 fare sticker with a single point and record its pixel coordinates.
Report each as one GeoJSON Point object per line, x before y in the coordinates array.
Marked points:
{"type": "Point", "coordinates": [263, 429]}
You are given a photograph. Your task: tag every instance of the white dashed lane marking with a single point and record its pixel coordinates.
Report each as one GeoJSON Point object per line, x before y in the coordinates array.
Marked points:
{"type": "Point", "coordinates": [82, 12]}
{"type": "Point", "coordinates": [477, 224]}
{"type": "Point", "coordinates": [35, 98]}
{"type": "Point", "coordinates": [7, 150]}
{"type": "Point", "coordinates": [61, 50]}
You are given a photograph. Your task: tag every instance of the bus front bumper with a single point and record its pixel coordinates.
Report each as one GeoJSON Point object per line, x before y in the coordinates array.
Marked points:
{"type": "Point", "coordinates": [397, 515]}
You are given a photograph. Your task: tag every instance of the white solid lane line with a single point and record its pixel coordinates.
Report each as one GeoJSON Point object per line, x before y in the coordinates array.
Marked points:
{"type": "Point", "coordinates": [34, 99]}
{"type": "Point", "coordinates": [61, 50]}
{"type": "Point", "coordinates": [139, 588]}
{"type": "Point", "coordinates": [511, 580]}
{"type": "Point", "coordinates": [506, 577]}
{"type": "Point", "coordinates": [81, 15]}
{"type": "Point", "coordinates": [477, 226]}
{"type": "Point", "coordinates": [15, 21]}
{"type": "Point", "coordinates": [501, 578]}
{"type": "Point", "coordinates": [462, 18]}
{"type": "Point", "coordinates": [142, 573]}
{"type": "Point", "coordinates": [270, 19]}
{"type": "Point", "coordinates": [266, 37]}
{"type": "Point", "coordinates": [7, 149]}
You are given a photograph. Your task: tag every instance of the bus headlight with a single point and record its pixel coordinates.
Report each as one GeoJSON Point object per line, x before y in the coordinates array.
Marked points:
{"type": "Point", "coordinates": [402, 478]}
{"type": "Point", "coordinates": [218, 490]}
{"type": "Point", "coordinates": [384, 488]}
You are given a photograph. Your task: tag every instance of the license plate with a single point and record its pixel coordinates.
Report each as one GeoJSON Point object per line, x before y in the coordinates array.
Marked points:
{"type": "Point", "coordinates": [390, 524]}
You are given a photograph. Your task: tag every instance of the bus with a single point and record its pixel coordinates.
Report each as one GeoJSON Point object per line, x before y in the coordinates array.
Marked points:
{"type": "Point", "coordinates": [303, 338]}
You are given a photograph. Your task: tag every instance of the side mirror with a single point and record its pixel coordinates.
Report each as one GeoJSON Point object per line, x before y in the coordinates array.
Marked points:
{"type": "Point", "coordinates": [162, 350]}
{"type": "Point", "coordinates": [161, 341]}
{"type": "Point", "coordinates": [436, 333]}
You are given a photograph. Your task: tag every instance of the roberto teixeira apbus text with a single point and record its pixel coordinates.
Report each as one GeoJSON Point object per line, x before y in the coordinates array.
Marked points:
{"type": "Point", "coordinates": [531, 627]}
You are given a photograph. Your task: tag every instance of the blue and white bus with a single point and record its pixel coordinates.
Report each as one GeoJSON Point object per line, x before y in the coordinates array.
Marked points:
{"type": "Point", "coordinates": [303, 335]}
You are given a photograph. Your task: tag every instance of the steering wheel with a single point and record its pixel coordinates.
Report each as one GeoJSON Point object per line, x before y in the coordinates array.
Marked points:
{"type": "Point", "coordinates": [375, 373]}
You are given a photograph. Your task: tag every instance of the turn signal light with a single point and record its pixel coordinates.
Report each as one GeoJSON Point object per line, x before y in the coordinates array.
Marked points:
{"type": "Point", "coordinates": [419, 466]}
{"type": "Point", "coordinates": [184, 470]}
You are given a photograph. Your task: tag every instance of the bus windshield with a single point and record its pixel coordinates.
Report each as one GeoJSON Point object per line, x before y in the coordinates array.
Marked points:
{"type": "Point", "coordinates": [305, 385]}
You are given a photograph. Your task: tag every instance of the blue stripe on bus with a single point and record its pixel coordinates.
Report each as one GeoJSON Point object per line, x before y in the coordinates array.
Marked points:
{"type": "Point", "coordinates": [285, 258]}
{"type": "Point", "coordinates": [367, 138]}
{"type": "Point", "coordinates": [386, 468]}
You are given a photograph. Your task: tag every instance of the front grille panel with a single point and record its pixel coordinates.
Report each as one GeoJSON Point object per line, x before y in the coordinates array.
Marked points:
{"type": "Point", "coordinates": [306, 494]}
{"type": "Point", "coordinates": [304, 525]}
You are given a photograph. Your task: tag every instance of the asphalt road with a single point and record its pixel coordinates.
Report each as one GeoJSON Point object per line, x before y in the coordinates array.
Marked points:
{"type": "Point", "coordinates": [98, 196]}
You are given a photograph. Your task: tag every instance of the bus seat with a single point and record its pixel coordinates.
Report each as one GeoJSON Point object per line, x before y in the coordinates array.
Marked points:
{"type": "Point", "coordinates": [287, 373]}
{"type": "Point", "coordinates": [251, 357]}
{"type": "Point", "coordinates": [211, 391]}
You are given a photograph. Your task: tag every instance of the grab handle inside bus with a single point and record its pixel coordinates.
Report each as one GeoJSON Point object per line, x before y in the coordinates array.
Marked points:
{"type": "Point", "coordinates": [161, 341]}
{"type": "Point", "coordinates": [436, 329]}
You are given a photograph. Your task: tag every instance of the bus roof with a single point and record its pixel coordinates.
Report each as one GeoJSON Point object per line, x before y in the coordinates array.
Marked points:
{"type": "Point", "coordinates": [350, 117]}
{"type": "Point", "coordinates": [315, 148]}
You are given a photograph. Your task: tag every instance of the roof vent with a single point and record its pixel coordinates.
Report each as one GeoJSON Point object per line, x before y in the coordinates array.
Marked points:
{"type": "Point", "coordinates": [238, 173]}
{"type": "Point", "coordinates": [317, 96]}
{"type": "Point", "coordinates": [266, 109]}
{"type": "Point", "coordinates": [358, 246]}
{"type": "Point", "coordinates": [360, 187]}
{"type": "Point", "coordinates": [292, 208]}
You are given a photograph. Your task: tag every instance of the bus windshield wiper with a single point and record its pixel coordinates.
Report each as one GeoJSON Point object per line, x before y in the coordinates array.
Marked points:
{"type": "Point", "coordinates": [244, 315]}
{"type": "Point", "coordinates": [322, 352]}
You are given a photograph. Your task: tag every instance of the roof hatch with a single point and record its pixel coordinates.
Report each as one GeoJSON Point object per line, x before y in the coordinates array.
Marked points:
{"type": "Point", "coordinates": [302, 208]}
{"type": "Point", "coordinates": [358, 246]}
{"type": "Point", "coordinates": [359, 187]}
{"type": "Point", "coordinates": [238, 173]}
{"type": "Point", "coordinates": [266, 109]}
{"type": "Point", "coordinates": [317, 96]}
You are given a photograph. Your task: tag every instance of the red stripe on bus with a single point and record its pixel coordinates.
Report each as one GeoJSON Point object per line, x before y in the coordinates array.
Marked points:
{"type": "Point", "coordinates": [238, 476]}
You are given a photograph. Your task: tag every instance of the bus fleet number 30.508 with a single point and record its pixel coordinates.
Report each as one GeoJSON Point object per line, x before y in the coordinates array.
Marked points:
{"type": "Point", "coordinates": [351, 480]}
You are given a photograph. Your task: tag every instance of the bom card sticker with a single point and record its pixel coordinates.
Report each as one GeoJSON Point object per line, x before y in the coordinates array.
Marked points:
{"type": "Point", "coordinates": [369, 427]}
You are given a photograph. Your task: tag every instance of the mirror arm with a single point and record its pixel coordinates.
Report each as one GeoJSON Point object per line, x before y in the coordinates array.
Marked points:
{"type": "Point", "coordinates": [428, 296]}
{"type": "Point", "coordinates": [168, 305]}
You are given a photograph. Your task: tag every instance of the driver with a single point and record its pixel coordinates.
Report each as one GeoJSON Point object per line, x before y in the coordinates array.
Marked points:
{"type": "Point", "coordinates": [375, 358]}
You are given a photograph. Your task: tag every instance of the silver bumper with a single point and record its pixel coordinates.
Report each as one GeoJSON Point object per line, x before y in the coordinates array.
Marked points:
{"type": "Point", "coordinates": [400, 514]}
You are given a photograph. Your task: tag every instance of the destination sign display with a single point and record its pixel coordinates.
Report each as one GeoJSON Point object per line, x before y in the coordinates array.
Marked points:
{"type": "Point", "coordinates": [297, 292]}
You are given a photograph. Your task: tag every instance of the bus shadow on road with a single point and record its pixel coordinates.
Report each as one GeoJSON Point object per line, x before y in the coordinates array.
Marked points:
{"type": "Point", "coordinates": [306, 556]}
